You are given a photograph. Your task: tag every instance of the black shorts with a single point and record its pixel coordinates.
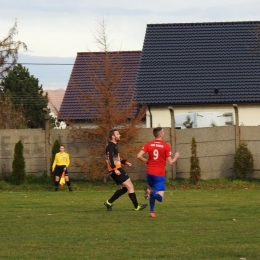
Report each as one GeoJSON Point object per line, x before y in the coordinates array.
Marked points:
{"type": "Point", "coordinates": [59, 170]}
{"type": "Point", "coordinates": [119, 179]}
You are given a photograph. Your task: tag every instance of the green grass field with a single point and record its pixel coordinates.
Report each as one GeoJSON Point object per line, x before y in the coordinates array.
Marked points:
{"type": "Point", "coordinates": [190, 224]}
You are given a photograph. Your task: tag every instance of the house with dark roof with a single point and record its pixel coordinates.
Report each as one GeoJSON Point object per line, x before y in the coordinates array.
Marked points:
{"type": "Point", "coordinates": [199, 68]}
{"type": "Point", "coordinates": [76, 105]}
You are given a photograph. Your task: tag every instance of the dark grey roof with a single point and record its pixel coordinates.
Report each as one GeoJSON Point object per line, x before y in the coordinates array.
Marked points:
{"type": "Point", "coordinates": [205, 63]}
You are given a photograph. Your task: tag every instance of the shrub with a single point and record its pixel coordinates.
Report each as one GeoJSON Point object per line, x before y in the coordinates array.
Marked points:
{"type": "Point", "coordinates": [194, 163]}
{"type": "Point", "coordinates": [33, 179]}
{"type": "Point", "coordinates": [55, 149]}
{"type": "Point", "coordinates": [18, 167]}
{"type": "Point", "coordinates": [243, 162]}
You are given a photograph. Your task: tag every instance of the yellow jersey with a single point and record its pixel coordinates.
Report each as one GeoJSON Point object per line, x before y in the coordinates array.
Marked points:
{"type": "Point", "coordinates": [61, 159]}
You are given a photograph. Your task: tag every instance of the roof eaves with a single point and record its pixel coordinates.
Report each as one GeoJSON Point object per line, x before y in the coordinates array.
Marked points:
{"type": "Point", "coordinates": [202, 23]}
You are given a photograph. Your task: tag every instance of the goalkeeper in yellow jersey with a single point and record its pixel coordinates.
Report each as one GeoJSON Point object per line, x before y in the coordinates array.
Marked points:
{"type": "Point", "coordinates": [60, 165]}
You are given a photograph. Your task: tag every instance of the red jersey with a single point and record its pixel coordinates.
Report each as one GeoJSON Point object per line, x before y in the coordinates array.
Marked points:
{"type": "Point", "coordinates": [157, 151]}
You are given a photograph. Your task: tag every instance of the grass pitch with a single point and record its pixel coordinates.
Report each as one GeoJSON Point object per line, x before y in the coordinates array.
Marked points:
{"type": "Point", "coordinates": [190, 224]}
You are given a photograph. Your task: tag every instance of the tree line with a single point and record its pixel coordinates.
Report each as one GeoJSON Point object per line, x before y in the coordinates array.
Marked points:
{"type": "Point", "coordinates": [21, 96]}
{"type": "Point", "coordinates": [22, 100]}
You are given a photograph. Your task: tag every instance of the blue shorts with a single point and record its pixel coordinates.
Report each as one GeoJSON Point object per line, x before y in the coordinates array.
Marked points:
{"type": "Point", "coordinates": [157, 183]}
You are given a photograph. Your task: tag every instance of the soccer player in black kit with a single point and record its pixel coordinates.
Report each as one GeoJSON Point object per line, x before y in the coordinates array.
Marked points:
{"type": "Point", "coordinates": [117, 173]}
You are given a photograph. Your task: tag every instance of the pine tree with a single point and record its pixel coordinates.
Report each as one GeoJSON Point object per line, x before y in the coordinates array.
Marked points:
{"type": "Point", "coordinates": [18, 167]}
{"type": "Point", "coordinates": [113, 108]}
{"type": "Point", "coordinates": [194, 163]}
{"type": "Point", "coordinates": [243, 162]}
{"type": "Point", "coordinates": [24, 90]}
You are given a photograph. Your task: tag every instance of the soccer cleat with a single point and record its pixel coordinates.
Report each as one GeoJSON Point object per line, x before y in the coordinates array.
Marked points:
{"type": "Point", "coordinates": [152, 215]}
{"type": "Point", "coordinates": [108, 206]}
{"type": "Point", "coordinates": [70, 189]}
{"type": "Point", "coordinates": [147, 192]}
{"type": "Point", "coordinates": [141, 207]}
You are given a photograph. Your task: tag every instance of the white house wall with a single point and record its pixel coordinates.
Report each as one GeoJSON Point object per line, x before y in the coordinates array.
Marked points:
{"type": "Point", "coordinates": [249, 115]}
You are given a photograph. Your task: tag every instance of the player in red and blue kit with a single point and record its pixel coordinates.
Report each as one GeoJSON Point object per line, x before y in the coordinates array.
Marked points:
{"type": "Point", "coordinates": [158, 153]}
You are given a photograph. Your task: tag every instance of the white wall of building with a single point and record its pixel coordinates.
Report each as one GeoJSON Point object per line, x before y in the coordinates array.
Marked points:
{"type": "Point", "coordinates": [249, 115]}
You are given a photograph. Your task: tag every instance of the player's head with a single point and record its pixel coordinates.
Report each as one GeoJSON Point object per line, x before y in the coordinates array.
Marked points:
{"type": "Point", "coordinates": [62, 148]}
{"type": "Point", "coordinates": [114, 135]}
{"type": "Point", "coordinates": [158, 132]}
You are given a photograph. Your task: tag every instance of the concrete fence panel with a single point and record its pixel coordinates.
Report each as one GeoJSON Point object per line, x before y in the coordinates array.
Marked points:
{"type": "Point", "coordinates": [215, 149]}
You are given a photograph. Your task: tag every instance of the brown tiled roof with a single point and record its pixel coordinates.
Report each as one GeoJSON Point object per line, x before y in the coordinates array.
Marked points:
{"type": "Point", "coordinates": [74, 106]}
{"type": "Point", "coordinates": [55, 97]}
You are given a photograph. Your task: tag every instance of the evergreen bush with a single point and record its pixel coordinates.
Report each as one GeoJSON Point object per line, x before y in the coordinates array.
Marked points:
{"type": "Point", "coordinates": [18, 166]}
{"type": "Point", "coordinates": [243, 162]}
{"type": "Point", "coordinates": [55, 149]}
{"type": "Point", "coordinates": [194, 163]}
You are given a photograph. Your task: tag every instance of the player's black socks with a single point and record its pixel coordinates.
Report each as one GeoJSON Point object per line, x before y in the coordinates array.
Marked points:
{"type": "Point", "coordinates": [117, 194]}
{"type": "Point", "coordinates": [56, 185]}
{"type": "Point", "coordinates": [133, 198]}
{"type": "Point", "coordinates": [68, 184]}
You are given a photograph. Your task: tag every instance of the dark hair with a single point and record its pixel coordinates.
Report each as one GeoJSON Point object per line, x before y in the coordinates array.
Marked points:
{"type": "Point", "coordinates": [156, 131]}
{"type": "Point", "coordinates": [111, 133]}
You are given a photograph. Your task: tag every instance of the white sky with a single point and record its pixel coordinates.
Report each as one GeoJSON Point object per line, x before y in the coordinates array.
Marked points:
{"type": "Point", "coordinates": [55, 30]}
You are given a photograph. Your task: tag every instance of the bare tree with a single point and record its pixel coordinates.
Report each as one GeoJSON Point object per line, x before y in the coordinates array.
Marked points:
{"type": "Point", "coordinates": [101, 35]}
{"type": "Point", "coordinates": [112, 104]}
{"type": "Point", "coordinates": [9, 51]}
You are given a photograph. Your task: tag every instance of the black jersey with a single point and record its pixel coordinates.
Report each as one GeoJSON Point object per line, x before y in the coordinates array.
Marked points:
{"type": "Point", "coordinates": [113, 159]}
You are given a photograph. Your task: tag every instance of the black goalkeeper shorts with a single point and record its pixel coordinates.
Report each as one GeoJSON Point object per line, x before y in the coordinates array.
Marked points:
{"type": "Point", "coordinates": [119, 179]}
{"type": "Point", "coordinates": [59, 170]}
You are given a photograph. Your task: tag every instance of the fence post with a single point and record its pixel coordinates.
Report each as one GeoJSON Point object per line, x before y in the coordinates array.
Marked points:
{"type": "Point", "coordinates": [237, 128]}
{"type": "Point", "coordinates": [173, 141]}
{"type": "Point", "coordinates": [47, 140]}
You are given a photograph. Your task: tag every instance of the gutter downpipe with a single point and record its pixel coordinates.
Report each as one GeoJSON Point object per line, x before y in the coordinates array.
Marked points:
{"type": "Point", "coordinates": [237, 128]}
{"type": "Point", "coordinates": [173, 141]}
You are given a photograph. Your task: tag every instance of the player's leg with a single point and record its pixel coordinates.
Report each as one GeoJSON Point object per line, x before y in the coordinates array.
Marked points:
{"type": "Point", "coordinates": [157, 193]}
{"type": "Point", "coordinates": [57, 174]}
{"type": "Point", "coordinates": [150, 181]}
{"type": "Point", "coordinates": [57, 179]}
{"type": "Point", "coordinates": [131, 193]}
{"type": "Point", "coordinates": [148, 189]}
{"type": "Point", "coordinates": [67, 180]}
{"type": "Point", "coordinates": [158, 188]}
{"type": "Point", "coordinates": [121, 191]}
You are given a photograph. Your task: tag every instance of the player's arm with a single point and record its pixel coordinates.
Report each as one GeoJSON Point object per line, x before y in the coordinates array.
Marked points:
{"type": "Point", "coordinates": [141, 158]}
{"type": "Point", "coordinates": [171, 160]}
{"type": "Point", "coordinates": [125, 162]}
{"type": "Point", "coordinates": [68, 161]}
{"type": "Point", "coordinates": [110, 157]}
{"type": "Point", "coordinates": [54, 162]}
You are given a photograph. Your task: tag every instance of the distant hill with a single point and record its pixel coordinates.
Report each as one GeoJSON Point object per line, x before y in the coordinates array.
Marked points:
{"type": "Point", "coordinates": [55, 99]}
